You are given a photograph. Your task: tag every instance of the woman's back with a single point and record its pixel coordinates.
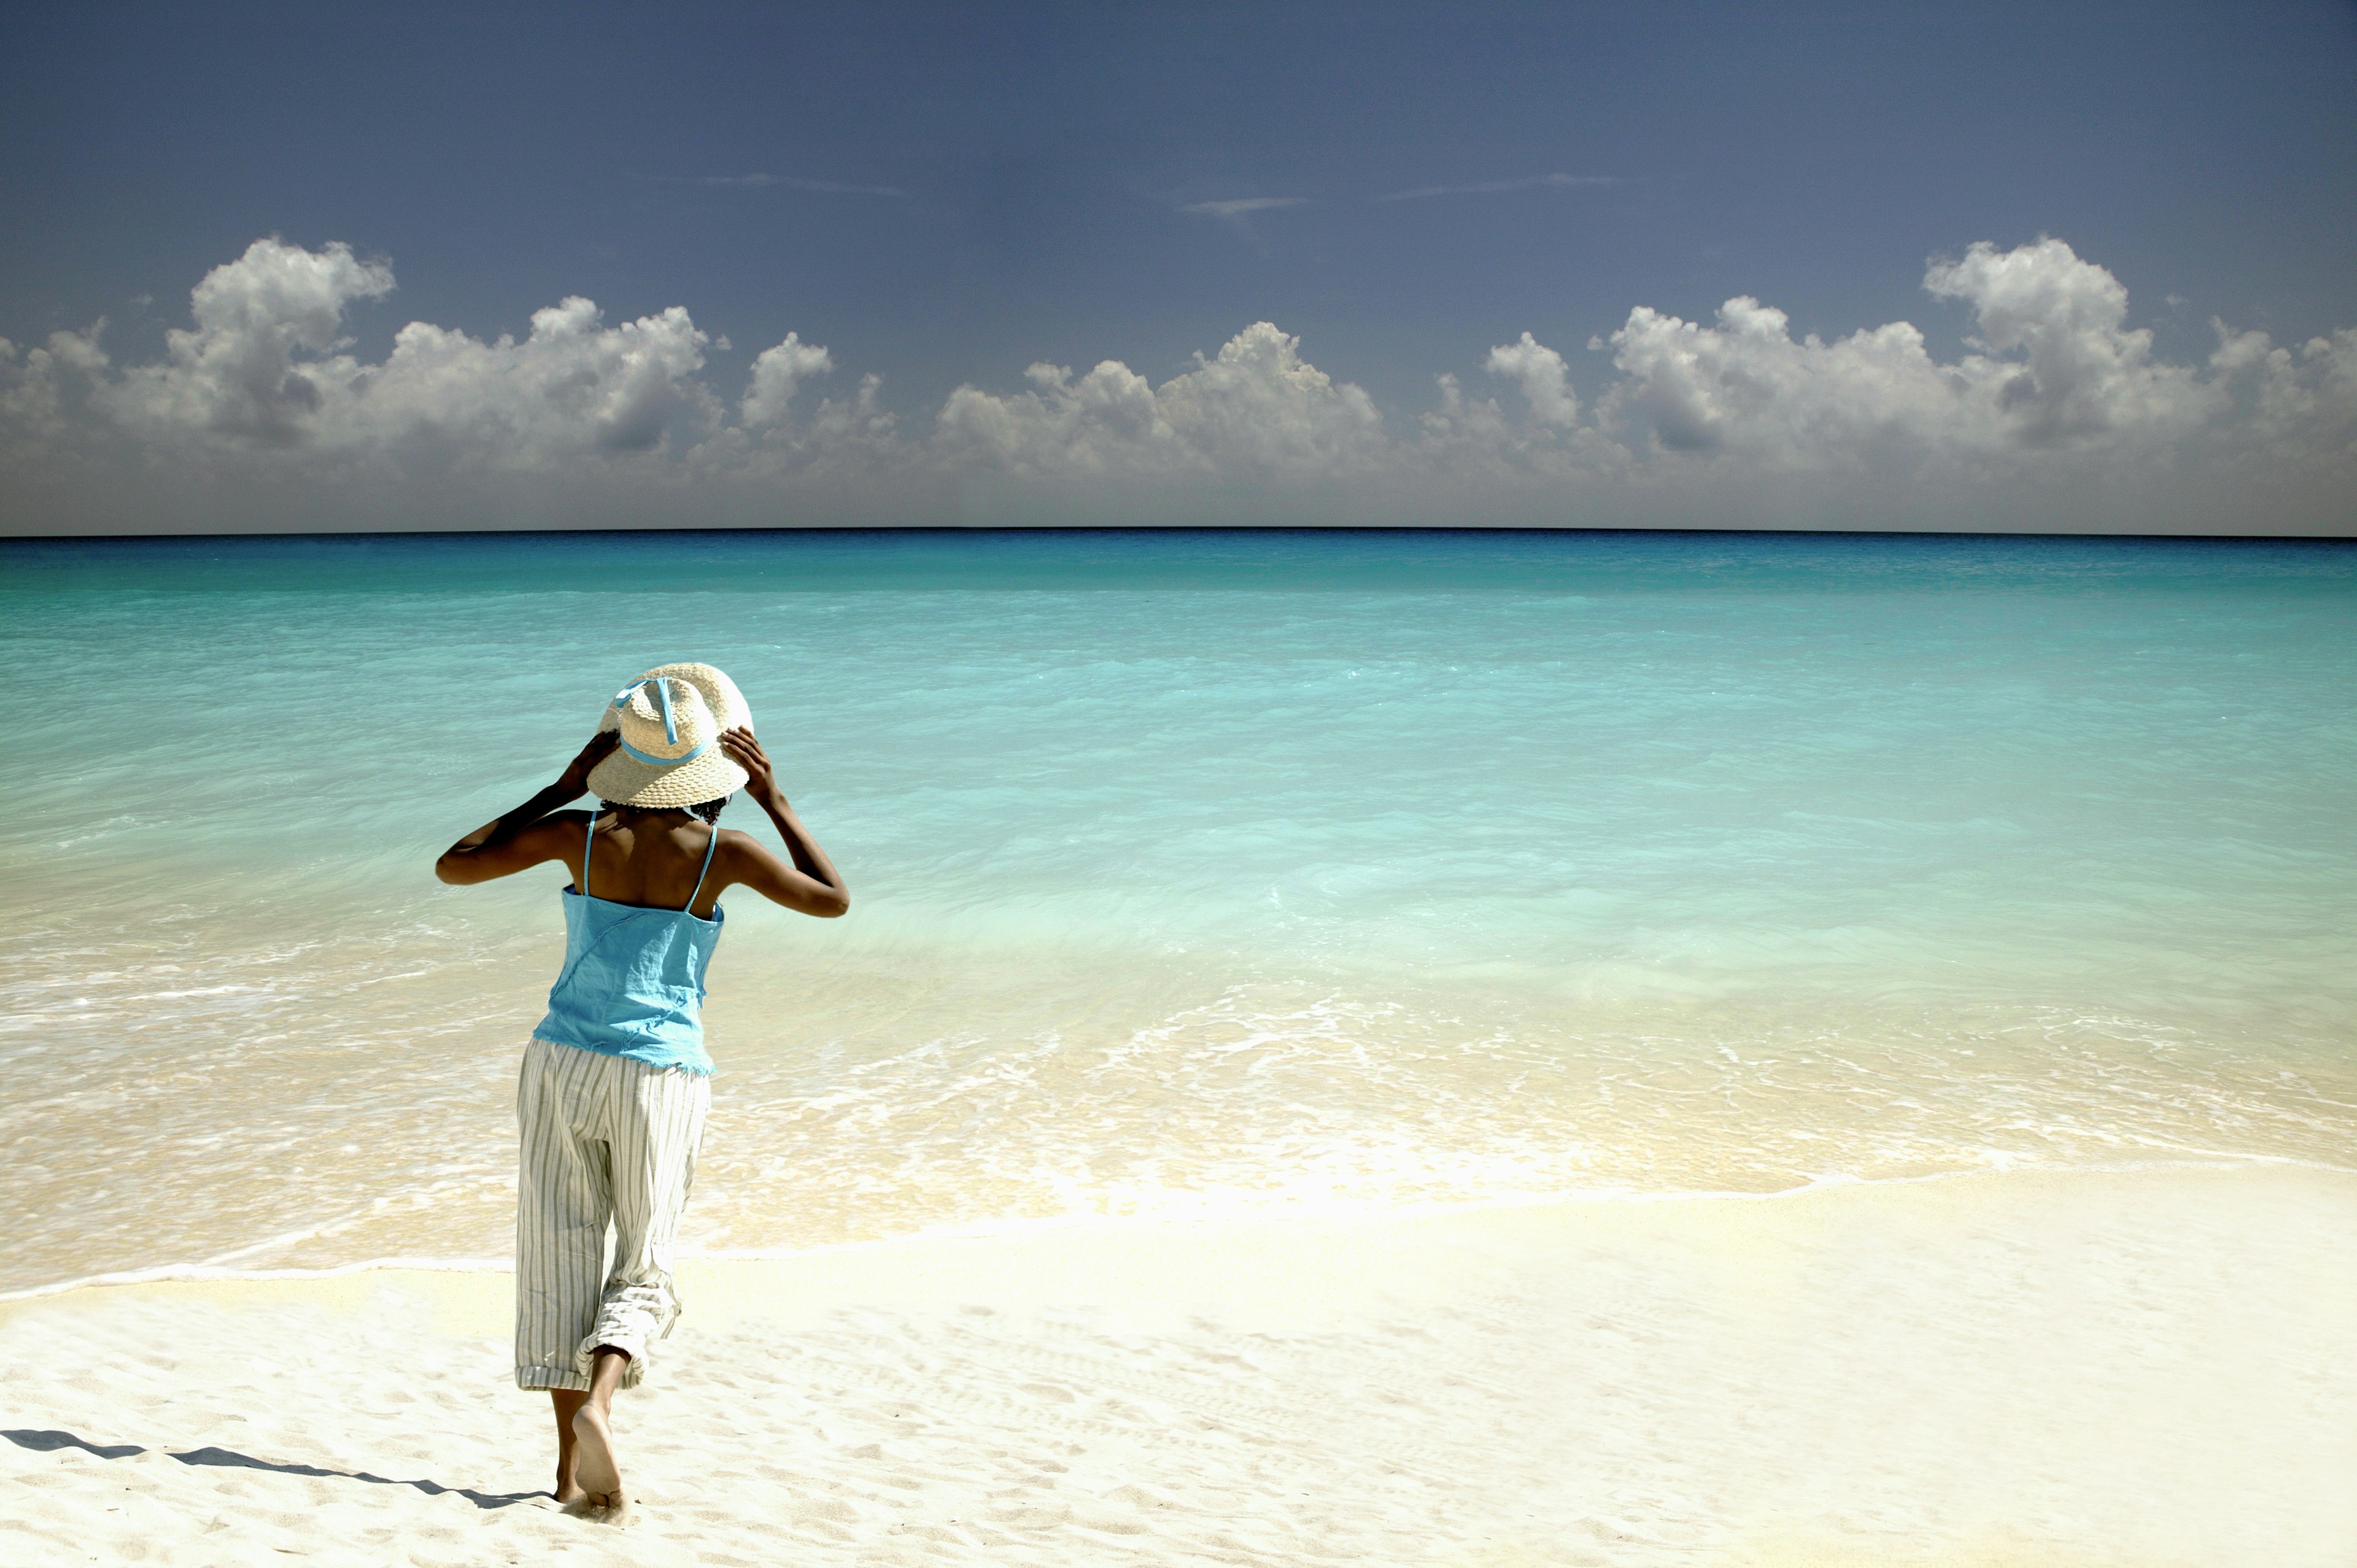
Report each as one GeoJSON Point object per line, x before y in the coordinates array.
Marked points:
{"type": "Point", "coordinates": [632, 984]}
{"type": "Point", "coordinates": [651, 859]}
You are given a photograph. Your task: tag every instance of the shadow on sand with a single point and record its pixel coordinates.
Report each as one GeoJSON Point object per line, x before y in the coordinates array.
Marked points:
{"type": "Point", "coordinates": [49, 1441]}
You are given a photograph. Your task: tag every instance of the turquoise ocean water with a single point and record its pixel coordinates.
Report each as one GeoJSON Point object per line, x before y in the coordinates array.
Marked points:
{"type": "Point", "coordinates": [1194, 872]}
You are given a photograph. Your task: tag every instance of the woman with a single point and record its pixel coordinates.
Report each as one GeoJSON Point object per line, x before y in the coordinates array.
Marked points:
{"type": "Point", "coordinates": [616, 1082]}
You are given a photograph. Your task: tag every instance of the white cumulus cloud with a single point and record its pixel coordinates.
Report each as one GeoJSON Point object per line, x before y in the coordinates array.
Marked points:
{"type": "Point", "coordinates": [2055, 397]}
{"type": "Point", "coordinates": [266, 365]}
{"type": "Point", "coordinates": [260, 362]}
{"type": "Point", "coordinates": [2053, 368]}
{"type": "Point", "coordinates": [38, 391]}
{"type": "Point", "coordinates": [777, 373]}
{"type": "Point", "coordinates": [1544, 379]}
{"type": "Point", "coordinates": [573, 386]}
{"type": "Point", "coordinates": [2298, 407]}
{"type": "Point", "coordinates": [2073, 370]}
{"type": "Point", "coordinates": [1257, 408]}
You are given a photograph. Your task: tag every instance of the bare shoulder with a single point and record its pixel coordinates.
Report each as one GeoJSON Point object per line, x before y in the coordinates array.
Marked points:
{"type": "Point", "coordinates": [738, 847]}
{"type": "Point", "coordinates": [572, 820]}
{"type": "Point", "coordinates": [557, 834]}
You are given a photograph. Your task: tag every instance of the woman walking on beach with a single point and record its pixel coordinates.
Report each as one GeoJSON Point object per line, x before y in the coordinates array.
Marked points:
{"type": "Point", "coordinates": [611, 1100]}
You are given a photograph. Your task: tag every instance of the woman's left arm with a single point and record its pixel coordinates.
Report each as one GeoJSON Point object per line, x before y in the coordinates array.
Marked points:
{"type": "Point", "coordinates": [522, 837]}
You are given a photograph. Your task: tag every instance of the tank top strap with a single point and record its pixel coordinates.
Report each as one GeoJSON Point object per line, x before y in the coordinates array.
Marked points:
{"type": "Point", "coordinates": [708, 848]}
{"type": "Point", "coordinates": [587, 840]}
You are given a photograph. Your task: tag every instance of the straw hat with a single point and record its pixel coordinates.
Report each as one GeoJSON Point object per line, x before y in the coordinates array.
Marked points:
{"type": "Point", "coordinates": [670, 719]}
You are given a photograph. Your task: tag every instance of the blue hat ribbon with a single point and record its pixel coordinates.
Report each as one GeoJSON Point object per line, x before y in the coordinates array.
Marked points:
{"type": "Point", "coordinates": [671, 726]}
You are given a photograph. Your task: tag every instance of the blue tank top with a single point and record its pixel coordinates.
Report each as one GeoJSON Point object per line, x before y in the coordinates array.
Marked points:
{"type": "Point", "coordinates": [634, 979]}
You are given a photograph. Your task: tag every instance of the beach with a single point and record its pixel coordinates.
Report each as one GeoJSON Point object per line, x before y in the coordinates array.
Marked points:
{"type": "Point", "coordinates": [1179, 786]}
{"type": "Point", "coordinates": [2147, 1367]}
{"type": "Point", "coordinates": [1467, 1050]}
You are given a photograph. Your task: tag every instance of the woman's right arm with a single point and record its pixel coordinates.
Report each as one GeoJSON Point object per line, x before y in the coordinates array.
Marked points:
{"type": "Point", "coordinates": [811, 885]}
{"type": "Point", "coordinates": [527, 836]}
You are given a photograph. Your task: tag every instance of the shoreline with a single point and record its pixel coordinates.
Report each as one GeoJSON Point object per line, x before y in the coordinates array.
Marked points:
{"type": "Point", "coordinates": [984, 1230]}
{"type": "Point", "coordinates": [2142, 1367]}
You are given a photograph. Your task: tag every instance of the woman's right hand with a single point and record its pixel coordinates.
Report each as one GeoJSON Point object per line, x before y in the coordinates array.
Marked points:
{"type": "Point", "coordinates": [574, 780]}
{"type": "Point", "coordinates": [760, 776]}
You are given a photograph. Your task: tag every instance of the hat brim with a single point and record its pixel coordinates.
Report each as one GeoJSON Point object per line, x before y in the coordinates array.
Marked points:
{"type": "Point", "coordinates": [625, 780]}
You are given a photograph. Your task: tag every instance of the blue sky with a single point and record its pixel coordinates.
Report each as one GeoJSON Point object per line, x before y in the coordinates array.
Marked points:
{"type": "Point", "coordinates": [943, 195]}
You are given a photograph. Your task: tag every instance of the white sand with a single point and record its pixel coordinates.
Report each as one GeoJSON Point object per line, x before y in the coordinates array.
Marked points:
{"type": "Point", "coordinates": [2148, 1367]}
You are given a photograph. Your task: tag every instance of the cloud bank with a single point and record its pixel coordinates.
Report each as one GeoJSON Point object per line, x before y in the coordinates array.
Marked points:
{"type": "Point", "coordinates": [2059, 414]}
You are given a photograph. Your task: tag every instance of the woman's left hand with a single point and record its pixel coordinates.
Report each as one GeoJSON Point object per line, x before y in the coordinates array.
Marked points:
{"type": "Point", "coordinates": [575, 777]}
{"type": "Point", "coordinates": [760, 776]}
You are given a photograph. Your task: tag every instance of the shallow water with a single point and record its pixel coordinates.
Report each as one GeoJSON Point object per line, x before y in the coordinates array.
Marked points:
{"type": "Point", "coordinates": [1193, 872]}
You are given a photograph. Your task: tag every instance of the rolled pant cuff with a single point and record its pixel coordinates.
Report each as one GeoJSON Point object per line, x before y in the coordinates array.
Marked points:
{"type": "Point", "coordinates": [530, 1378]}
{"type": "Point", "coordinates": [585, 1360]}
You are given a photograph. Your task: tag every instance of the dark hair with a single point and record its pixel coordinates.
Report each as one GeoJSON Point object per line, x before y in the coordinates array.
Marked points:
{"type": "Point", "coordinates": [709, 810]}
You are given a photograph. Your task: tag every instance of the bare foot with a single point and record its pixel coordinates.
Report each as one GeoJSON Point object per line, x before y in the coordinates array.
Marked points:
{"type": "Point", "coordinates": [595, 1466]}
{"type": "Point", "coordinates": [621, 1512]}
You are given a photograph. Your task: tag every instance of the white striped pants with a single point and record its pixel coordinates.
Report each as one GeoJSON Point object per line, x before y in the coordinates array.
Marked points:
{"type": "Point", "coordinates": [609, 1149]}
